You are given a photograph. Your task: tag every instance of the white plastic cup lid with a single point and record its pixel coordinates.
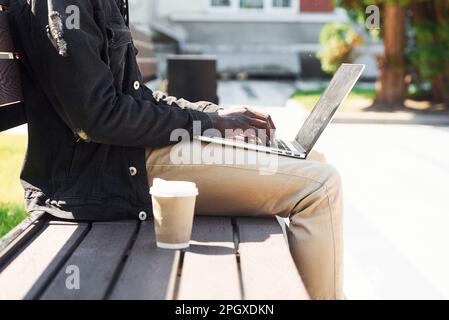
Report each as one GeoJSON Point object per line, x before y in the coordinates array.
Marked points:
{"type": "Point", "coordinates": [163, 188]}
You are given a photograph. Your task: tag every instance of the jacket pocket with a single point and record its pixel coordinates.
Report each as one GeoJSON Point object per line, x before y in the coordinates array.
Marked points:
{"type": "Point", "coordinates": [118, 35]}
{"type": "Point", "coordinates": [119, 41]}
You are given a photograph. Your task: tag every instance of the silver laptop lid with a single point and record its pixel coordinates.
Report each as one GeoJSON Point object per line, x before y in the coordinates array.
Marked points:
{"type": "Point", "coordinates": [340, 86]}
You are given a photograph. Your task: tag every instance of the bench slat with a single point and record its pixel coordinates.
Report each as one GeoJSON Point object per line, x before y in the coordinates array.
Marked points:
{"type": "Point", "coordinates": [18, 238]}
{"type": "Point", "coordinates": [210, 268]}
{"type": "Point", "coordinates": [267, 267]}
{"type": "Point", "coordinates": [97, 258]}
{"type": "Point", "coordinates": [30, 271]}
{"type": "Point", "coordinates": [150, 273]}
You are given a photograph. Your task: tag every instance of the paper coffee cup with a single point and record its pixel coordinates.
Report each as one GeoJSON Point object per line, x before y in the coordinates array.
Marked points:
{"type": "Point", "coordinates": [173, 210]}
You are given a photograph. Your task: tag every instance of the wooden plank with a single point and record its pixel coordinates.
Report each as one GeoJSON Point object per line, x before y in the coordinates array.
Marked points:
{"type": "Point", "coordinates": [267, 267]}
{"type": "Point", "coordinates": [97, 259]}
{"type": "Point", "coordinates": [149, 273]}
{"type": "Point", "coordinates": [18, 238]}
{"type": "Point", "coordinates": [31, 270]}
{"type": "Point", "coordinates": [210, 269]}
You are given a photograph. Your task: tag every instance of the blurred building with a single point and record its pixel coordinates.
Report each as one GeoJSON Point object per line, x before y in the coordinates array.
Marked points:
{"type": "Point", "coordinates": [140, 12]}
{"type": "Point", "coordinates": [145, 57]}
{"type": "Point", "coordinates": [254, 37]}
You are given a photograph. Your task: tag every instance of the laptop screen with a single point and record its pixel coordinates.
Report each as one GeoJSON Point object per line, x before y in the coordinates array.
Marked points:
{"type": "Point", "coordinates": [337, 91]}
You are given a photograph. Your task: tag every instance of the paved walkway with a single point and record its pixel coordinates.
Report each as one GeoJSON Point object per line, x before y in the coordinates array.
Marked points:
{"type": "Point", "coordinates": [396, 219]}
{"type": "Point", "coordinates": [251, 92]}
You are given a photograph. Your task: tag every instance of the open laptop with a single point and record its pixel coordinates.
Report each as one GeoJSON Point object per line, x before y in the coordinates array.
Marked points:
{"type": "Point", "coordinates": [336, 93]}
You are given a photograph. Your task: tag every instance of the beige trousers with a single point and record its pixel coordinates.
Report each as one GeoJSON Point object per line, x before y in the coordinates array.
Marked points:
{"type": "Point", "coordinates": [307, 192]}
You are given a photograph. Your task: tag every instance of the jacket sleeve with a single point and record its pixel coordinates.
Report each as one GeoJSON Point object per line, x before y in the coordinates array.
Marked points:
{"type": "Point", "coordinates": [203, 106]}
{"type": "Point", "coordinates": [80, 85]}
{"type": "Point", "coordinates": [164, 99]}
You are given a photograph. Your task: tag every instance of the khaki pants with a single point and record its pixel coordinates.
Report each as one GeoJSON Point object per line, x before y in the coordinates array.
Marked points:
{"type": "Point", "coordinates": [307, 192]}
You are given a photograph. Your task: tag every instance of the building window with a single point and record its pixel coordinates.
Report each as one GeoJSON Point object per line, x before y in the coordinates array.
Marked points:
{"type": "Point", "coordinates": [282, 3]}
{"type": "Point", "coordinates": [251, 4]}
{"type": "Point", "coordinates": [220, 3]}
{"type": "Point", "coordinates": [255, 5]}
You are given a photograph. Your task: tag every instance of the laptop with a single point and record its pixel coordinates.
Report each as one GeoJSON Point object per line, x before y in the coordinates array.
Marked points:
{"type": "Point", "coordinates": [336, 93]}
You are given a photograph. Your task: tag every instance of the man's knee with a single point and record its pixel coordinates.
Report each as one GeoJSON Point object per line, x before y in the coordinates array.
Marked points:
{"type": "Point", "coordinates": [317, 156]}
{"type": "Point", "coordinates": [332, 176]}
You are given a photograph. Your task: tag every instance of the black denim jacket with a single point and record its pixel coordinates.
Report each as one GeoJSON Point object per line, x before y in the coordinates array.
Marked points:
{"type": "Point", "coordinates": [89, 117]}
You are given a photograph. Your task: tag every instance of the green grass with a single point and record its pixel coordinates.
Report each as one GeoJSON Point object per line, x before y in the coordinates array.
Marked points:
{"type": "Point", "coordinates": [10, 216]}
{"type": "Point", "coordinates": [12, 151]}
{"type": "Point", "coordinates": [357, 98]}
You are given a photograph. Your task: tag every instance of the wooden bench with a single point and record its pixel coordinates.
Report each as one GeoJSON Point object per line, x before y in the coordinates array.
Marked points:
{"type": "Point", "coordinates": [238, 258]}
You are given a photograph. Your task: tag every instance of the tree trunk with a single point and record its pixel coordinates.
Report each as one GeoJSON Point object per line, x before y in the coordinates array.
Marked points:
{"type": "Point", "coordinates": [440, 89]}
{"type": "Point", "coordinates": [391, 83]}
{"type": "Point", "coordinates": [440, 92]}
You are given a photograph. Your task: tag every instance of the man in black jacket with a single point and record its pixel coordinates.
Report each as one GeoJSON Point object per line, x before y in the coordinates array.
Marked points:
{"type": "Point", "coordinates": [97, 136]}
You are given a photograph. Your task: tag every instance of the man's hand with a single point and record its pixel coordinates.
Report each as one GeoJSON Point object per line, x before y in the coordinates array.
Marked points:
{"type": "Point", "coordinates": [255, 127]}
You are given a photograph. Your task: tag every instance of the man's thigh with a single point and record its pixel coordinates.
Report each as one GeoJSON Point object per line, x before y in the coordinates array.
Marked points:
{"type": "Point", "coordinates": [247, 187]}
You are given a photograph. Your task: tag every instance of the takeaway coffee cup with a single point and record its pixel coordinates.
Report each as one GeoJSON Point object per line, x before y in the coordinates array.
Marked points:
{"type": "Point", "coordinates": [173, 209]}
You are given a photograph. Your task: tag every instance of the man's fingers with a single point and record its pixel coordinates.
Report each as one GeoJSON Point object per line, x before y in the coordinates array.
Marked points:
{"type": "Point", "coordinates": [259, 124]}
{"type": "Point", "coordinates": [256, 114]}
{"type": "Point", "coordinates": [259, 115]}
{"type": "Point", "coordinates": [269, 128]}
{"type": "Point", "coordinates": [271, 122]}
{"type": "Point", "coordinates": [272, 130]}
{"type": "Point", "coordinates": [265, 118]}
{"type": "Point", "coordinates": [264, 131]}
{"type": "Point", "coordinates": [257, 127]}
{"type": "Point", "coordinates": [248, 136]}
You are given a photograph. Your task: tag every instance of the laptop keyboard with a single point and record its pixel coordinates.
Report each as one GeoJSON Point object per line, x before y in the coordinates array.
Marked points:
{"type": "Point", "coordinates": [282, 145]}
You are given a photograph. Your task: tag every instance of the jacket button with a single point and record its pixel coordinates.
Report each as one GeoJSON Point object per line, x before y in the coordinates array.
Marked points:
{"type": "Point", "coordinates": [136, 85]}
{"type": "Point", "coordinates": [133, 171]}
{"type": "Point", "coordinates": [143, 216]}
